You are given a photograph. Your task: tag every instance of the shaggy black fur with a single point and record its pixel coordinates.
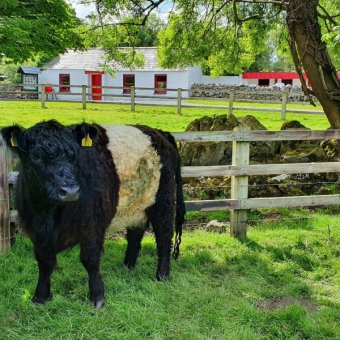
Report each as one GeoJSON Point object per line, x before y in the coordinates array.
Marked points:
{"type": "Point", "coordinates": [68, 194]}
{"type": "Point", "coordinates": [166, 147]}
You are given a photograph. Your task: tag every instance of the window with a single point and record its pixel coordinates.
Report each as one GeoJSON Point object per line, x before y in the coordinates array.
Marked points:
{"type": "Point", "coordinates": [128, 81]}
{"type": "Point", "coordinates": [287, 81]}
{"type": "Point", "coordinates": [263, 82]}
{"type": "Point", "coordinates": [64, 79]}
{"type": "Point", "coordinates": [160, 83]}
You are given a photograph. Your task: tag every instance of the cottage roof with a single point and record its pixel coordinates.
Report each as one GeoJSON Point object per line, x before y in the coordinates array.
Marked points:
{"type": "Point", "coordinates": [93, 59]}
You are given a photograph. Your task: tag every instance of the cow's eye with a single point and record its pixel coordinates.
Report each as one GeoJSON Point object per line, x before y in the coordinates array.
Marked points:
{"type": "Point", "coordinates": [35, 158]}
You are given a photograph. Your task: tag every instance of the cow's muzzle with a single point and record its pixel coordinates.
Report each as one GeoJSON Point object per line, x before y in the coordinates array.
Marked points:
{"type": "Point", "coordinates": [68, 194]}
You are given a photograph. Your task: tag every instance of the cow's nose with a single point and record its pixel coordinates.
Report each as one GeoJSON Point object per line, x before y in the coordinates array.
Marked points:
{"type": "Point", "coordinates": [69, 194]}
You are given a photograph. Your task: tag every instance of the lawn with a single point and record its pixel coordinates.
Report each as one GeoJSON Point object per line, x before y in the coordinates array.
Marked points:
{"type": "Point", "coordinates": [28, 113]}
{"type": "Point", "coordinates": [283, 282]}
{"type": "Point", "coordinates": [290, 105]}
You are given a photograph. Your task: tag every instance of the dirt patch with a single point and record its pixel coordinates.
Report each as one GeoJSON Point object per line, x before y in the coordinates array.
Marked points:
{"type": "Point", "coordinates": [286, 301]}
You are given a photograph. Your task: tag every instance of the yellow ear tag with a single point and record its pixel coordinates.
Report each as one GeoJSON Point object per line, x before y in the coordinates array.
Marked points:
{"type": "Point", "coordinates": [13, 141]}
{"type": "Point", "coordinates": [86, 141]}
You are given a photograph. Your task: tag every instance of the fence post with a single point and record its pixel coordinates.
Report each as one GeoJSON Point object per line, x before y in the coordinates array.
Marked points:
{"type": "Point", "coordinates": [179, 101]}
{"type": "Point", "coordinates": [132, 98]}
{"type": "Point", "coordinates": [239, 187]}
{"type": "Point", "coordinates": [83, 96]}
{"type": "Point", "coordinates": [5, 234]}
{"type": "Point", "coordinates": [43, 96]}
{"type": "Point", "coordinates": [284, 104]}
{"type": "Point", "coordinates": [231, 101]}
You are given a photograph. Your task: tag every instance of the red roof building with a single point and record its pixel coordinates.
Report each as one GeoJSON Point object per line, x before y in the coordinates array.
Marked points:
{"type": "Point", "coordinates": [271, 78]}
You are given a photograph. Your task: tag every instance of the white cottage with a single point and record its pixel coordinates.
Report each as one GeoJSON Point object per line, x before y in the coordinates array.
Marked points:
{"type": "Point", "coordinates": [86, 68]}
{"type": "Point", "coordinates": [76, 68]}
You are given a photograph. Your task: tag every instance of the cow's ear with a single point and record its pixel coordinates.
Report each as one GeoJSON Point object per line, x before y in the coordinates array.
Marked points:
{"type": "Point", "coordinates": [14, 137]}
{"type": "Point", "coordinates": [86, 134]}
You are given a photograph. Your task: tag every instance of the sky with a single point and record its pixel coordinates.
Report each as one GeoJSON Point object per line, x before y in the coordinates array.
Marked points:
{"type": "Point", "coordinates": [82, 11]}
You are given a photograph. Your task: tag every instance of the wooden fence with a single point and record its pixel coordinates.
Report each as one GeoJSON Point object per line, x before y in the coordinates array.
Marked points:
{"type": "Point", "coordinates": [84, 94]}
{"type": "Point", "coordinates": [239, 170]}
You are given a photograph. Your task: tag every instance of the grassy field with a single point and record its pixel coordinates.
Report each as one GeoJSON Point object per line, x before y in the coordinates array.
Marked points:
{"type": "Point", "coordinates": [283, 282]}
{"type": "Point", "coordinates": [290, 105]}
{"type": "Point", "coordinates": [28, 113]}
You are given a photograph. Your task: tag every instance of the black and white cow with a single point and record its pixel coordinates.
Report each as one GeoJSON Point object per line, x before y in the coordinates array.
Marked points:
{"type": "Point", "coordinates": [76, 181]}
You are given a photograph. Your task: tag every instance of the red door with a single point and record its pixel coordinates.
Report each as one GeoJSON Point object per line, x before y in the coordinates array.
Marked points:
{"type": "Point", "coordinates": [96, 81]}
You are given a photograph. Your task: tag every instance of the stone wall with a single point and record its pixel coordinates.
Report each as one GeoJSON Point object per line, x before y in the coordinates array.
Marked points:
{"type": "Point", "coordinates": [220, 153]}
{"type": "Point", "coordinates": [8, 92]}
{"type": "Point", "coordinates": [14, 93]}
{"type": "Point", "coordinates": [248, 92]}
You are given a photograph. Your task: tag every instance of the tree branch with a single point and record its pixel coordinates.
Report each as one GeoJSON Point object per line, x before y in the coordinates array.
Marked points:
{"type": "Point", "coordinates": [327, 16]}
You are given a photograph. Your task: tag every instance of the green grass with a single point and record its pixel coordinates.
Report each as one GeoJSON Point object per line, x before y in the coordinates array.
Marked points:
{"type": "Point", "coordinates": [29, 113]}
{"type": "Point", "coordinates": [219, 285]}
{"type": "Point", "coordinates": [290, 106]}
{"type": "Point", "coordinates": [217, 289]}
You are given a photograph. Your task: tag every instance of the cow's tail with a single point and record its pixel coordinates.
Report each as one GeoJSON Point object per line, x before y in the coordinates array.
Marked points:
{"type": "Point", "coordinates": [180, 205]}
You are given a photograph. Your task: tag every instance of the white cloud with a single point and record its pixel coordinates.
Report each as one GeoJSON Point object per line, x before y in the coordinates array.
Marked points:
{"type": "Point", "coordinates": [81, 10]}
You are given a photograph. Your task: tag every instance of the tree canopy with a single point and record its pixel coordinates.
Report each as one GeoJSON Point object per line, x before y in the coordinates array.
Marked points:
{"type": "Point", "coordinates": [36, 28]}
{"type": "Point", "coordinates": [112, 38]}
{"type": "Point", "coordinates": [226, 36]}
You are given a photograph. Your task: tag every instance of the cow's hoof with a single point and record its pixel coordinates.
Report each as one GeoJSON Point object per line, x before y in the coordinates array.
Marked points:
{"type": "Point", "coordinates": [100, 303]}
{"type": "Point", "coordinates": [40, 300]}
{"type": "Point", "coordinates": [162, 277]}
{"type": "Point", "coordinates": [129, 265]}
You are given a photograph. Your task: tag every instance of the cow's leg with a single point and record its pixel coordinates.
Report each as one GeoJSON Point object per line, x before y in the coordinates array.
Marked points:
{"type": "Point", "coordinates": [90, 254]}
{"type": "Point", "coordinates": [134, 238]}
{"type": "Point", "coordinates": [161, 216]}
{"type": "Point", "coordinates": [46, 264]}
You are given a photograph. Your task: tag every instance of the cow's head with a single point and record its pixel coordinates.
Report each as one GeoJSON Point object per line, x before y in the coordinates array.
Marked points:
{"type": "Point", "coordinates": [48, 152]}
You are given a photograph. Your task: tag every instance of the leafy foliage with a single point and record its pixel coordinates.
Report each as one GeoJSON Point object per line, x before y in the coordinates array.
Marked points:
{"type": "Point", "coordinates": [36, 28]}
{"type": "Point", "coordinates": [225, 37]}
{"type": "Point", "coordinates": [212, 39]}
{"type": "Point", "coordinates": [112, 38]}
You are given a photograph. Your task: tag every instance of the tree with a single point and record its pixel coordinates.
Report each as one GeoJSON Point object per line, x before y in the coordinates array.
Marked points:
{"type": "Point", "coordinates": [126, 34]}
{"type": "Point", "coordinates": [276, 56]}
{"type": "Point", "coordinates": [111, 38]}
{"type": "Point", "coordinates": [36, 28]}
{"type": "Point", "coordinates": [226, 35]}
{"type": "Point", "coordinates": [310, 53]}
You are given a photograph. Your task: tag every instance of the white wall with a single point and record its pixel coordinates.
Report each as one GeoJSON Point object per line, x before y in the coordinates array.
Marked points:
{"type": "Point", "coordinates": [223, 80]}
{"type": "Point", "coordinates": [77, 77]}
{"type": "Point", "coordinates": [175, 80]}
{"type": "Point", "coordinates": [194, 76]}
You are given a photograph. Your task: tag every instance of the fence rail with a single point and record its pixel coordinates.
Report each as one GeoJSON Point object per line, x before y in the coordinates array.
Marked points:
{"type": "Point", "coordinates": [86, 95]}
{"type": "Point", "coordinates": [239, 203]}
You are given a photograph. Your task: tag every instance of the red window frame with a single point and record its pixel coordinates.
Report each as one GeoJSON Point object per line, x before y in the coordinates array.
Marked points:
{"type": "Point", "coordinates": [161, 83]}
{"type": "Point", "coordinates": [128, 84]}
{"type": "Point", "coordinates": [64, 82]}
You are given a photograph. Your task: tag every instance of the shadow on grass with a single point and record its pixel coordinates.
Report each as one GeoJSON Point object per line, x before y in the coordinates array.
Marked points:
{"type": "Point", "coordinates": [233, 282]}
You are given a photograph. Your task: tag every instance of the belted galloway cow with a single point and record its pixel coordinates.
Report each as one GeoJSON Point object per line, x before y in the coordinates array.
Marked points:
{"type": "Point", "coordinates": [75, 181]}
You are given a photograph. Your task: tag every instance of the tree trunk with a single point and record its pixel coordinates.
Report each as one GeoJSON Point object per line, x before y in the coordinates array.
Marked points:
{"type": "Point", "coordinates": [310, 51]}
